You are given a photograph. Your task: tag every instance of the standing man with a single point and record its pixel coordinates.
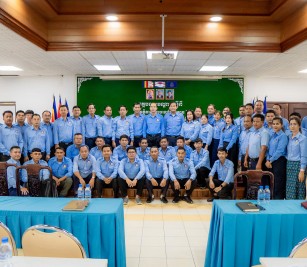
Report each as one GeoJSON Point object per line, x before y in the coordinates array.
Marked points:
{"type": "Point", "coordinates": [105, 125]}
{"type": "Point", "coordinates": [173, 121]}
{"type": "Point", "coordinates": [77, 120]}
{"type": "Point", "coordinates": [10, 136]}
{"type": "Point", "coordinates": [259, 106]}
{"type": "Point", "coordinates": [182, 174]}
{"type": "Point", "coordinates": [180, 143]}
{"type": "Point", "coordinates": [29, 114]}
{"type": "Point", "coordinates": [278, 110]}
{"type": "Point", "coordinates": [46, 124]}
{"type": "Point", "coordinates": [97, 150]}
{"type": "Point", "coordinates": [240, 120]}
{"type": "Point", "coordinates": [165, 151]}
{"type": "Point", "coordinates": [74, 149]}
{"type": "Point", "coordinates": [120, 152]}
{"type": "Point", "coordinates": [198, 113]}
{"type": "Point", "coordinates": [153, 127]}
{"type": "Point", "coordinates": [20, 122]}
{"type": "Point", "coordinates": [211, 110]}
{"type": "Point", "coordinates": [137, 120]}
{"type": "Point", "coordinates": [90, 126]}
{"type": "Point", "coordinates": [63, 129]}
{"type": "Point", "coordinates": [143, 150]}
{"type": "Point", "coordinates": [244, 141]}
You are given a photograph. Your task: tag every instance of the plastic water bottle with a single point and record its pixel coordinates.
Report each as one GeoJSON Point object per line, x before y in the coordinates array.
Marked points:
{"type": "Point", "coordinates": [267, 194]}
{"type": "Point", "coordinates": [87, 193]}
{"type": "Point", "coordinates": [260, 196]}
{"type": "Point", "coordinates": [80, 192]}
{"type": "Point", "coordinates": [5, 252]}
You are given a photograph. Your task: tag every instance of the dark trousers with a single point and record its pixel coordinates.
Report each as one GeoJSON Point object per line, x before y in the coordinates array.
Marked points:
{"type": "Point", "coordinates": [90, 142]}
{"type": "Point", "coordinates": [123, 186]}
{"type": "Point", "coordinates": [77, 182]}
{"type": "Point", "coordinates": [108, 140]}
{"type": "Point", "coordinates": [232, 155]}
{"type": "Point", "coordinates": [65, 145]}
{"type": "Point", "coordinates": [279, 169]}
{"type": "Point", "coordinates": [182, 183]}
{"type": "Point", "coordinates": [13, 192]}
{"type": "Point", "coordinates": [52, 151]}
{"type": "Point", "coordinates": [153, 139]}
{"type": "Point", "coordinates": [202, 174]}
{"type": "Point", "coordinates": [43, 156]}
{"type": "Point", "coordinates": [150, 187]}
{"type": "Point", "coordinates": [225, 193]}
{"type": "Point", "coordinates": [136, 141]}
{"type": "Point", "coordinates": [215, 145]}
{"type": "Point", "coordinates": [100, 184]}
{"type": "Point", "coordinates": [4, 158]}
{"type": "Point", "coordinates": [172, 139]}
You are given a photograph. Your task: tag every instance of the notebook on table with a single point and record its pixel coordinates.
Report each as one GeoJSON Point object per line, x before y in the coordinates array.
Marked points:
{"type": "Point", "coordinates": [77, 205]}
{"type": "Point", "coordinates": [248, 206]}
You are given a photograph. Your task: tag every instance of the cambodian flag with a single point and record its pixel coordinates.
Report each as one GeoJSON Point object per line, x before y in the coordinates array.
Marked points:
{"type": "Point", "coordinates": [54, 114]}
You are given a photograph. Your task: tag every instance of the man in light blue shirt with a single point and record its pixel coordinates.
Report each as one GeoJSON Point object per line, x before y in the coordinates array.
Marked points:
{"type": "Point", "coordinates": [240, 120]}
{"type": "Point", "coordinates": [278, 110]}
{"type": "Point", "coordinates": [84, 169]}
{"type": "Point", "coordinates": [165, 151]}
{"type": "Point", "coordinates": [90, 126]}
{"type": "Point", "coordinates": [137, 120]}
{"type": "Point", "coordinates": [173, 121]}
{"type": "Point", "coordinates": [183, 175]}
{"type": "Point", "coordinates": [210, 111]}
{"type": "Point", "coordinates": [77, 121]}
{"type": "Point", "coordinates": [244, 140]}
{"type": "Point", "coordinates": [61, 167]}
{"type": "Point", "coordinates": [106, 171]}
{"type": "Point", "coordinates": [131, 171]}
{"type": "Point", "coordinates": [180, 143]}
{"type": "Point", "coordinates": [46, 123]}
{"type": "Point", "coordinates": [220, 181]}
{"type": "Point", "coordinates": [143, 150]}
{"type": "Point", "coordinates": [120, 152]}
{"type": "Point", "coordinates": [20, 122]}
{"type": "Point", "coordinates": [156, 175]}
{"type": "Point", "coordinates": [74, 149]}
{"type": "Point", "coordinates": [97, 150]}
{"type": "Point", "coordinates": [105, 125]}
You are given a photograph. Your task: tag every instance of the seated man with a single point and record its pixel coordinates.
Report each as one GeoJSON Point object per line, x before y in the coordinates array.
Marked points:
{"type": "Point", "coordinates": [61, 167]}
{"type": "Point", "coordinates": [156, 174]}
{"type": "Point", "coordinates": [143, 150]}
{"type": "Point", "coordinates": [120, 152]}
{"type": "Point", "coordinates": [131, 171]}
{"type": "Point", "coordinates": [97, 150]}
{"type": "Point", "coordinates": [106, 171]}
{"type": "Point", "coordinates": [73, 150]}
{"type": "Point", "coordinates": [181, 143]}
{"type": "Point", "coordinates": [182, 174]}
{"type": "Point", "coordinates": [84, 169]}
{"type": "Point", "coordinates": [15, 155]}
{"type": "Point", "coordinates": [200, 159]}
{"type": "Point", "coordinates": [165, 151]}
{"type": "Point", "coordinates": [221, 185]}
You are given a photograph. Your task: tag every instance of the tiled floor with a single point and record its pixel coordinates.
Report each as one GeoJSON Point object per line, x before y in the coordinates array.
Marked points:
{"type": "Point", "coordinates": [167, 235]}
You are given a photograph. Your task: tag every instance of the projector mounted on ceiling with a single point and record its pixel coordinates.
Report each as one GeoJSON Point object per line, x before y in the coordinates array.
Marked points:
{"type": "Point", "coordinates": [163, 55]}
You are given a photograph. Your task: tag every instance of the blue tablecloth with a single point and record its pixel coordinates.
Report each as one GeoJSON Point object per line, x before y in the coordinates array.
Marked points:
{"type": "Point", "coordinates": [238, 239]}
{"type": "Point", "coordinates": [100, 227]}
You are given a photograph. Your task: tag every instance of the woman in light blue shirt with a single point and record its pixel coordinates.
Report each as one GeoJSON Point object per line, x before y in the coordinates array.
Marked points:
{"type": "Point", "coordinates": [297, 160]}
{"type": "Point", "coordinates": [206, 131]}
{"type": "Point", "coordinates": [190, 128]}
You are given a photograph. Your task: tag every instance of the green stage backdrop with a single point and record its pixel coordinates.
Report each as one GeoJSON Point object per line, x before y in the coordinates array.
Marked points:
{"type": "Point", "coordinates": [187, 93]}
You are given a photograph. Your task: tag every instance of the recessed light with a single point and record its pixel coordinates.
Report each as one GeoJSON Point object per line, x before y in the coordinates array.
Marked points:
{"type": "Point", "coordinates": [112, 18]}
{"type": "Point", "coordinates": [213, 68]}
{"type": "Point", "coordinates": [303, 71]}
{"type": "Point", "coordinates": [9, 68]}
{"type": "Point", "coordinates": [215, 18]}
{"type": "Point", "coordinates": [107, 67]}
{"type": "Point", "coordinates": [160, 55]}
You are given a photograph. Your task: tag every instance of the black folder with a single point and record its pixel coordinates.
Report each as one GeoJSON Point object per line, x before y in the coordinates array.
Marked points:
{"type": "Point", "coordinates": [247, 206]}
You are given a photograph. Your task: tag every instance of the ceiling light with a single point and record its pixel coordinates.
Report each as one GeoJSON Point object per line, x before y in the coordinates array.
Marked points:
{"type": "Point", "coordinates": [303, 71]}
{"type": "Point", "coordinates": [9, 68]}
{"type": "Point", "coordinates": [107, 67]}
{"type": "Point", "coordinates": [112, 18]}
{"type": "Point", "coordinates": [213, 68]}
{"type": "Point", "coordinates": [216, 19]}
{"type": "Point", "coordinates": [160, 55]}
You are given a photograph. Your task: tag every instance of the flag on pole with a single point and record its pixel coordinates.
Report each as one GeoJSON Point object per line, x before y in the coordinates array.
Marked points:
{"type": "Point", "coordinates": [66, 104]}
{"type": "Point", "coordinates": [264, 105]}
{"type": "Point", "coordinates": [60, 104]}
{"type": "Point", "coordinates": [54, 111]}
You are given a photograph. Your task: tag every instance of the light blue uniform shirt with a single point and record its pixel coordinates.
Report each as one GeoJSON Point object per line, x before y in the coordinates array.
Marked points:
{"type": "Point", "coordinates": [285, 123]}
{"type": "Point", "coordinates": [297, 149]}
{"type": "Point", "coordinates": [200, 159]}
{"type": "Point", "coordinates": [84, 166]}
{"type": "Point", "coordinates": [188, 151]}
{"type": "Point", "coordinates": [131, 170]}
{"type": "Point", "coordinates": [269, 129]}
{"type": "Point", "coordinates": [206, 133]}
{"type": "Point", "coordinates": [153, 125]}
{"type": "Point", "coordinates": [72, 151]}
{"type": "Point", "coordinates": [190, 130]}
{"type": "Point", "coordinates": [243, 142]}
{"type": "Point", "coordinates": [173, 123]}
{"type": "Point", "coordinates": [105, 126]}
{"type": "Point", "coordinates": [119, 153]}
{"type": "Point", "coordinates": [137, 123]}
{"type": "Point", "coordinates": [36, 139]}
{"type": "Point", "coordinates": [156, 169]}
{"type": "Point", "coordinates": [90, 126]}
{"type": "Point", "coordinates": [63, 131]}
{"type": "Point", "coordinates": [22, 128]}
{"type": "Point", "coordinates": [217, 128]}
{"type": "Point", "coordinates": [122, 126]}
{"type": "Point", "coordinates": [49, 129]}
{"type": "Point", "coordinates": [106, 169]}
{"type": "Point", "coordinates": [144, 155]}
{"type": "Point", "coordinates": [257, 139]}
{"type": "Point", "coordinates": [11, 174]}
{"type": "Point", "coordinates": [60, 169]}
{"type": "Point", "coordinates": [225, 172]}
{"type": "Point", "coordinates": [78, 125]}
{"type": "Point", "coordinates": [229, 134]}
{"type": "Point", "coordinates": [304, 122]}
{"type": "Point", "coordinates": [10, 136]}
{"type": "Point", "coordinates": [168, 154]}
{"type": "Point", "coordinates": [277, 146]}
{"type": "Point", "coordinates": [240, 123]}
{"type": "Point", "coordinates": [43, 174]}
{"type": "Point", "coordinates": [211, 119]}
{"type": "Point", "coordinates": [181, 170]}
{"type": "Point", "coordinates": [96, 152]}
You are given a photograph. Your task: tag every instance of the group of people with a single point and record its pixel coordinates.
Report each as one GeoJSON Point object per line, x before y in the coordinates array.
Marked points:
{"type": "Point", "coordinates": [204, 150]}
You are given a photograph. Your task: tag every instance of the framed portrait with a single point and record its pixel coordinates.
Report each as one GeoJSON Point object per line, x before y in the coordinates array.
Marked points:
{"type": "Point", "coordinates": [159, 94]}
{"type": "Point", "coordinates": [169, 94]}
{"type": "Point", "coordinates": [150, 94]}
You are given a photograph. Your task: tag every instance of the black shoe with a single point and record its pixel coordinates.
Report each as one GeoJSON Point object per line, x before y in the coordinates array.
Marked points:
{"type": "Point", "coordinates": [149, 200]}
{"type": "Point", "coordinates": [176, 199]}
{"type": "Point", "coordinates": [164, 200]}
{"type": "Point", "coordinates": [210, 199]}
{"type": "Point", "coordinates": [188, 199]}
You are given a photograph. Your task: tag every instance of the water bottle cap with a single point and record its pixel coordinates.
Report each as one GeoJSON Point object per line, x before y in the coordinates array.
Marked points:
{"type": "Point", "coordinates": [266, 186]}
{"type": "Point", "coordinates": [260, 187]}
{"type": "Point", "coordinates": [87, 185]}
{"type": "Point", "coordinates": [4, 240]}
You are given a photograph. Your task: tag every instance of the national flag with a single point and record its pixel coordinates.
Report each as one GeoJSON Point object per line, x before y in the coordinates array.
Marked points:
{"type": "Point", "coordinates": [54, 114]}
{"type": "Point", "coordinates": [66, 104]}
{"type": "Point", "coordinates": [59, 105]}
{"type": "Point", "coordinates": [171, 84]}
{"type": "Point", "coordinates": [148, 84]}
{"type": "Point", "coordinates": [264, 105]}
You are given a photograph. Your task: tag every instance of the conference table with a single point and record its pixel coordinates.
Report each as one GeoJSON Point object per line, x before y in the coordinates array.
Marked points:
{"type": "Point", "coordinates": [99, 228]}
{"type": "Point", "coordinates": [238, 238]}
{"type": "Point", "coordinates": [284, 262]}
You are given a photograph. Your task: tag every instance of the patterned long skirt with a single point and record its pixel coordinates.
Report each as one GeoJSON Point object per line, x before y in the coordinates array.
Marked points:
{"type": "Point", "coordinates": [294, 188]}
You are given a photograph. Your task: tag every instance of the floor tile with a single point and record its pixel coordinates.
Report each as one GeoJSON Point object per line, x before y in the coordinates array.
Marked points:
{"type": "Point", "coordinates": [180, 263]}
{"type": "Point", "coordinates": [132, 262]}
{"type": "Point", "coordinates": [153, 252]}
{"type": "Point", "coordinates": [178, 252]}
{"type": "Point", "coordinates": [152, 262]}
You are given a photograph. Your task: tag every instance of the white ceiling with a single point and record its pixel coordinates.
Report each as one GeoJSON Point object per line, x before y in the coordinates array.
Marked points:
{"type": "Point", "coordinates": [19, 52]}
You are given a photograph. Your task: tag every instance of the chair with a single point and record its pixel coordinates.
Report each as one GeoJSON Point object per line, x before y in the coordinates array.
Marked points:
{"type": "Point", "coordinates": [4, 191]}
{"type": "Point", "coordinates": [253, 179]}
{"type": "Point", "coordinates": [5, 232]}
{"type": "Point", "coordinates": [50, 241]}
{"type": "Point", "coordinates": [36, 187]}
